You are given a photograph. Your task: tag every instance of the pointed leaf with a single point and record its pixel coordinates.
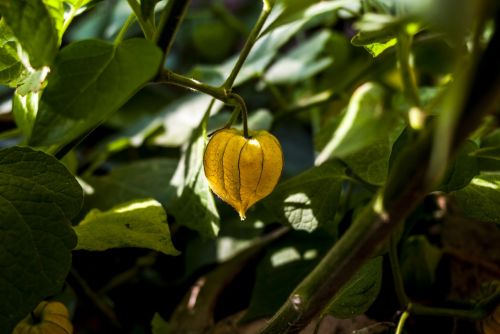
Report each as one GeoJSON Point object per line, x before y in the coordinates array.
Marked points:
{"type": "Point", "coordinates": [359, 293]}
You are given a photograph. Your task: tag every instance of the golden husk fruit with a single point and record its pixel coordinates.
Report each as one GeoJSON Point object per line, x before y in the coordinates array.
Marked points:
{"type": "Point", "coordinates": [242, 171]}
{"type": "Point", "coordinates": [53, 319]}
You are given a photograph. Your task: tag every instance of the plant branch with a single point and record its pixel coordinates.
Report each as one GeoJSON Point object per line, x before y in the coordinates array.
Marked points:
{"type": "Point", "coordinates": [252, 38]}
{"type": "Point", "coordinates": [221, 94]}
{"type": "Point", "coordinates": [405, 188]}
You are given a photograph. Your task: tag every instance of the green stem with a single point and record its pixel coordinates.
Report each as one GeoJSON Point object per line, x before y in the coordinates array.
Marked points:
{"type": "Point", "coordinates": [401, 323]}
{"type": "Point", "coordinates": [406, 71]}
{"type": "Point", "coordinates": [252, 38]}
{"type": "Point", "coordinates": [472, 314]}
{"type": "Point", "coordinates": [396, 274]}
{"type": "Point", "coordinates": [219, 93]}
{"type": "Point", "coordinates": [124, 29]}
{"type": "Point", "coordinates": [10, 133]}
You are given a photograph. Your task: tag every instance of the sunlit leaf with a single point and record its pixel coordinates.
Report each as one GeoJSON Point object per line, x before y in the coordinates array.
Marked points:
{"type": "Point", "coordinates": [140, 223]}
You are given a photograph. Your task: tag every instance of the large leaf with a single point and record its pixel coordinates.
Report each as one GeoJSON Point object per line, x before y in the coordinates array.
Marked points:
{"type": "Point", "coordinates": [141, 179]}
{"type": "Point", "coordinates": [284, 266]}
{"type": "Point", "coordinates": [419, 262]}
{"type": "Point", "coordinates": [302, 62]}
{"type": "Point", "coordinates": [195, 206]}
{"type": "Point", "coordinates": [481, 198]}
{"type": "Point", "coordinates": [359, 293]}
{"type": "Point", "coordinates": [34, 28]}
{"type": "Point", "coordinates": [140, 223]}
{"type": "Point", "coordinates": [309, 199]}
{"type": "Point", "coordinates": [360, 126]}
{"type": "Point", "coordinates": [38, 197]}
{"type": "Point", "coordinates": [90, 80]}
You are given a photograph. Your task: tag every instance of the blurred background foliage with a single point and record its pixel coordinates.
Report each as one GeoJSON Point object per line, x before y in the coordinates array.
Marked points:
{"type": "Point", "coordinates": [324, 78]}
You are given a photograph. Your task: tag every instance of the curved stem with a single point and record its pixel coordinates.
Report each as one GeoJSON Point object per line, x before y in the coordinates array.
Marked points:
{"type": "Point", "coordinates": [146, 26]}
{"type": "Point", "coordinates": [219, 93]}
{"type": "Point", "coordinates": [401, 323]}
{"type": "Point", "coordinates": [252, 38]}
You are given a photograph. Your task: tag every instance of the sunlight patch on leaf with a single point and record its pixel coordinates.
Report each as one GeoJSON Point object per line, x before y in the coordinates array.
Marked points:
{"type": "Point", "coordinates": [141, 223]}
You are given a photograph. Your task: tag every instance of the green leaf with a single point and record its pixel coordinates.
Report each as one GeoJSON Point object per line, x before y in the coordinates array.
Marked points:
{"type": "Point", "coordinates": [359, 293]}
{"type": "Point", "coordinates": [34, 28]}
{"type": "Point", "coordinates": [301, 62]}
{"type": "Point", "coordinates": [284, 266]}
{"type": "Point", "coordinates": [159, 325]}
{"type": "Point", "coordinates": [140, 223]}
{"type": "Point", "coordinates": [365, 135]}
{"type": "Point", "coordinates": [195, 205]}
{"type": "Point", "coordinates": [462, 169]}
{"type": "Point", "coordinates": [89, 81]}
{"type": "Point", "coordinates": [141, 179]}
{"type": "Point", "coordinates": [377, 28]}
{"type": "Point", "coordinates": [309, 199]}
{"type": "Point", "coordinates": [376, 49]}
{"type": "Point", "coordinates": [481, 198]}
{"type": "Point", "coordinates": [419, 262]}
{"type": "Point", "coordinates": [38, 197]}
{"type": "Point", "coordinates": [56, 10]}
{"type": "Point", "coordinates": [296, 10]}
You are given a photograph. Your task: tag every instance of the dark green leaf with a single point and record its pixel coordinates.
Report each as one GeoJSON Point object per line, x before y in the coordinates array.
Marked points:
{"type": "Point", "coordinates": [309, 199]}
{"type": "Point", "coordinates": [38, 197]}
{"type": "Point", "coordinates": [481, 198]}
{"type": "Point", "coordinates": [419, 261]}
{"type": "Point", "coordinates": [284, 266]}
{"type": "Point", "coordinates": [90, 80]}
{"type": "Point", "coordinates": [359, 293]}
{"type": "Point", "coordinates": [34, 28]}
{"type": "Point", "coordinates": [141, 179]}
{"type": "Point", "coordinates": [462, 169]}
{"type": "Point", "coordinates": [140, 223]}
{"type": "Point", "coordinates": [195, 207]}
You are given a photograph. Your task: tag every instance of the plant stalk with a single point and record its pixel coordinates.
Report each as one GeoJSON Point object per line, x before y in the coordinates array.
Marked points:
{"type": "Point", "coordinates": [171, 19]}
{"type": "Point", "coordinates": [404, 190]}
